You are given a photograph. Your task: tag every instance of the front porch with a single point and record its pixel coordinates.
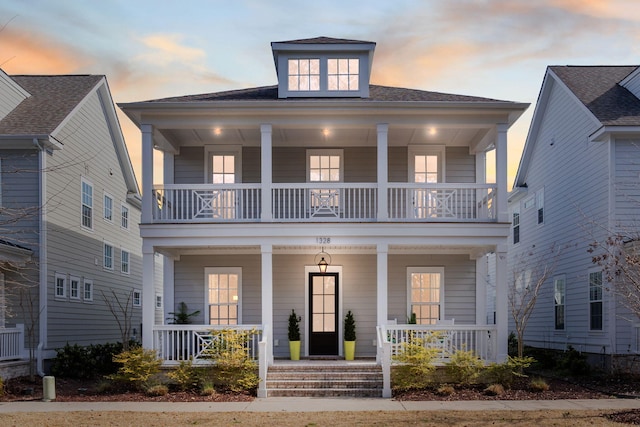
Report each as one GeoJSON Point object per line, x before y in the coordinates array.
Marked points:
{"type": "Point", "coordinates": [178, 343]}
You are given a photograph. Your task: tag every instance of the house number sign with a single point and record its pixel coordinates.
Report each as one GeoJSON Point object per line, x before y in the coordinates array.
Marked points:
{"type": "Point", "coordinates": [323, 240]}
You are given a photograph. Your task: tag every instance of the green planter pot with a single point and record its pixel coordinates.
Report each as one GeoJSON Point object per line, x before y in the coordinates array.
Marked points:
{"type": "Point", "coordinates": [294, 350]}
{"type": "Point", "coordinates": [349, 350]}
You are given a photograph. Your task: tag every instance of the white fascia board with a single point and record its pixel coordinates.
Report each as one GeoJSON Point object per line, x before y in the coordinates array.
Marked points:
{"type": "Point", "coordinates": [605, 132]}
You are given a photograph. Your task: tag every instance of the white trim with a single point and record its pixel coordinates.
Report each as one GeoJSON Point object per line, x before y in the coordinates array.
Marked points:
{"type": "Point", "coordinates": [3, 302]}
{"type": "Point", "coordinates": [426, 150]}
{"type": "Point", "coordinates": [63, 277]}
{"type": "Point", "coordinates": [104, 256]}
{"type": "Point", "coordinates": [304, 333]}
{"type": "Point", "coordinates": [84, 181]}
{"type": "Point", "coordinates": [325, 152]}
{"type": "Point", "coordinates": [106, 195]}
{"type": "Point", "coordinates": [222, 270]}
{"type": "Point", "coordinates": [78, 290]}
{"type": "Point", "coordinates": [158, 305]}
{"type": "Point", "coordinates": [86, 282]}
{"type": "Point", "coordinates": [221, 150]}
{"type": "Point", "coordinates": [419, 270]}
{"type": "Point", "coordinates": [136, 298]}
{"type": "Point", "coordinates": [123, 251]}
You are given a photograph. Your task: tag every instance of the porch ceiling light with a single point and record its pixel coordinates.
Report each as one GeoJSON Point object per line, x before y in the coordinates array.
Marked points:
{"type": "Point", "coordinates": [323, 263]}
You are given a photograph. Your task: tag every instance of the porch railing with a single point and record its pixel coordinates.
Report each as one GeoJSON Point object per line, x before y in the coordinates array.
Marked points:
{"type": "Point", "coordinates": [11, 343]}
{"type": "Point", "coordinates": [176, 343]}
{"type": "Point", "coordinates": [324, 202]}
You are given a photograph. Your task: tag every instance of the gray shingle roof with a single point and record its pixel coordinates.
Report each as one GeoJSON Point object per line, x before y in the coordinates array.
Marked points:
{"type": "Point", "coordinates": [376, 93]}
{"type": "Point", "coordinates": [323, 40]}
{"type": "Point", "coordinates": [598, 89]}
{"type": "Point", "coordinates": [52, 99]}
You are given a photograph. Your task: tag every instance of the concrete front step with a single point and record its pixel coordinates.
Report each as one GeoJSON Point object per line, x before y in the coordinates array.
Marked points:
{"type": "Point", "coordinates": [324, 379]}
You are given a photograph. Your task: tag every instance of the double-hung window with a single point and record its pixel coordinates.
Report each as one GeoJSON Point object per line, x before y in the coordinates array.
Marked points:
{"type": "Point", "coordinates": [559, 294]}
{"type": "Point", "coordinates": [108, 208]}
{"type": "Point", "coordinates": [515, 225]}
{"type": "Point", "coordinates": [540, 206]}
{"type": "Point", "coordinates": [107, 262]}
{"type": "Point", "coordinates": [595, 301]}
{"type": "Point", "coordinates": [426, 294]}
{"type": "Point", "coordinates": [124, 217]}
{"type": "Point", "coordinates": [87, 204]}
{"type": "Point", "coordinates": [60, 285]}
{"type": "Point", "coordinates": [74, 287]}
{"type": "Point", "coordinates": [137, 298]}
{"type": "Point", "coordinates": [88, 290]}
{"type": "Point", "coordinates": [223, 287]}
{"type": "Point", "coordinates": [124, 261]}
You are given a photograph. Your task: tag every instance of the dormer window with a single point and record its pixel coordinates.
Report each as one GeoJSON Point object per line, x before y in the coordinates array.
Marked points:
{"type": "Point", "coordinates": [304, 75]}
{"type": "Point", "coordinates": [323, 67]}
{"type": "Point", "coordinates": [343, 74]}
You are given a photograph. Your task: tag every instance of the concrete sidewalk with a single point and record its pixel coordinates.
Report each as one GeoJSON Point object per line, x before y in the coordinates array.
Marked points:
{"type": "Point", "coordinates": [310, 404]}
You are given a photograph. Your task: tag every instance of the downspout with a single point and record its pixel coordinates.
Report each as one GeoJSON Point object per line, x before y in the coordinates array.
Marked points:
{"type": "Point", "coordinates": [42, 259]}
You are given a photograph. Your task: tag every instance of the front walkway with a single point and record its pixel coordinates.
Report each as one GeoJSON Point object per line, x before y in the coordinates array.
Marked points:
{"type": "Point", "coordinates": [311, 404]}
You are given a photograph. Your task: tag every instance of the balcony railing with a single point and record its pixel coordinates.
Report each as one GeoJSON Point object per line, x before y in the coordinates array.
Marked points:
{"type": "Point", "coordinates": [323, 202]}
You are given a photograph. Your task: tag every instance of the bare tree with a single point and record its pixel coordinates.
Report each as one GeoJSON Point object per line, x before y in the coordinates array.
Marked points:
{"type": "Point", "coordinates": [530, 269]}
{"type": "Point", "coordinates": [122, 311]}
{"type": "Point", "coordinates": [619, 257]}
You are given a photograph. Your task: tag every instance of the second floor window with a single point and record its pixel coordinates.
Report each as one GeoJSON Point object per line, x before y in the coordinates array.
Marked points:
{"type": "Point", "coordinates": [324, 166]}
{"type": "Point", "coordinates": [108, 257]}
{"type": "Point", "coordinates": [124, 217]}
{"type": "Point", "coordinates": [108, 207]}
{"type": "Point", "coordinates": [87, 204]}
{"type": "Point", "coordinates": [516, 227]}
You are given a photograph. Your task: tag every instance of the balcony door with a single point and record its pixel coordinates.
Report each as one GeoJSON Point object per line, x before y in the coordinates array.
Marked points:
{"type": "Point", "coordinates": [323, 314]}
{"type": "Point", "coordinates": [426, 167]}
{"type": "Point", "coordinates": [325, 167]}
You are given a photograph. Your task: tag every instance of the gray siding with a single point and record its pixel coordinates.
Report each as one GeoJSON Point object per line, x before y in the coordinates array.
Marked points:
{"type": "Point", "coordinates": [633, 85]}
{"type": "Point", "coordinates": [189, 166]}
{"type": "Point", "coordinates": [11, 95]}
{"type": "Point", "coordinates": [573, 174]}
{"type": "Point", "coordinates": [460, 166]}
{"type": "Point", "coordinates": [72, 250]}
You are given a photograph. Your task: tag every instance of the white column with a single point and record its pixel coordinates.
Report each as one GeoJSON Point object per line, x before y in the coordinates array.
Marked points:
{"type": "Point", "coordinates": [267, 295]}
{"type": "Point", "coordinates": [502, 304]}
{"type": "Point", "coordinates": [381, 290]}
{"type": "Point", "coordinates": [501, 172]}
{"type": "Point", "coordinates": [383, 172]}
{"type": "Point", "coordinates": [168, 287]}
{"type": "Point", "coordinates": [148, 296]}
{"type": "Point", "coordinates": [481, 290]}
{"type": "Point", "coordinates": [147, 173]}
{"type": "Point", "coordinates": [266, 175]}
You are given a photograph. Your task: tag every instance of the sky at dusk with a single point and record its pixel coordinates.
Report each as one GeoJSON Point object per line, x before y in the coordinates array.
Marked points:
{"type": "Point", "coordinates": [157, 48]}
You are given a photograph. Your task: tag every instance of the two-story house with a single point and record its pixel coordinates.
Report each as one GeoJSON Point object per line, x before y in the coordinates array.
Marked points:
{"type": "Point", "coordinates": [577, 184]}
{"type": "Point", "coordinates": [386, 185]}
{"type": "Point", "coordinates": [69, 214]}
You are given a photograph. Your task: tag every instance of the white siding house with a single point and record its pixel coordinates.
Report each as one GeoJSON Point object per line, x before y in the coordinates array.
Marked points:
{"type": "Point", "coordinates": [387, 184]}
{"type": "Point", "coordinates": [578, 184]}
{"type": "Point", "coordinates": [66, 182]}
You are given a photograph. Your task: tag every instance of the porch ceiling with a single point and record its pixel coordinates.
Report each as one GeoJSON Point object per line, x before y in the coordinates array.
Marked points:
{"type": "Point", "coordinates": [473, 251]}
{"type": "Point", "coordinates": [328, 135]}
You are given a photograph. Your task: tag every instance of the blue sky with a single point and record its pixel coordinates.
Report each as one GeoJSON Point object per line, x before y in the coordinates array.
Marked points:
{"type": "Point", "coordinates": [156, 48]}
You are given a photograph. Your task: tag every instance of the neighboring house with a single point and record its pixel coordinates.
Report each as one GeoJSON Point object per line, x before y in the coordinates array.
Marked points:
{"type": "Point", "coordinates": [387, 184]}
{"type": "Point", "coordinates": [578, 184]}
{"type": "Point", "coordinates": [69, 215]}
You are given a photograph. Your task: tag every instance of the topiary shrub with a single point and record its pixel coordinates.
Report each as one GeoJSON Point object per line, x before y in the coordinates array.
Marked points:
{"type": "Point", "coordinates": [185, 376]}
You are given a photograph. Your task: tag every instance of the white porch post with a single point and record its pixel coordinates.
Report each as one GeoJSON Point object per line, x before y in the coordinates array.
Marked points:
{"type": "Point", "coordinates": [502, 304]}
{"type": "Point", "coordinates": [383, 173]}
{"type": "Point", "coordinates": [148, 296]}
{"type": "Point", "coordinates": [266, 171]}
{"type": "Point", "coordinates": [267, 296]}
{"type": "Point", "coordinates": [501, 172]}
{"type": "Point", "coordinates": [381, 290]}
{"type": "Point", "coordinates": [481, 290]}
{"type": "Point", "coordinates": [147, 173]}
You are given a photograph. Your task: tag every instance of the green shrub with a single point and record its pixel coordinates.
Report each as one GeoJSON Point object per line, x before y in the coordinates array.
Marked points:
{"type": "Point", "coordinates": [234, 369]}
{"type": "Point", "coordinates": [139, 365]}
{"type": "Point", "coordinates": [416, 359]}
{"type": "Point", "coordinates": [506, 373]}
{"type": "Point", "coordinates": [463, 367]}
{"type": "Point", "coordinates": [185, 376]}
{"type": "Point", "coordinates": [573, 362]}
{"type": "Point", "coordinates": [75, 361]}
